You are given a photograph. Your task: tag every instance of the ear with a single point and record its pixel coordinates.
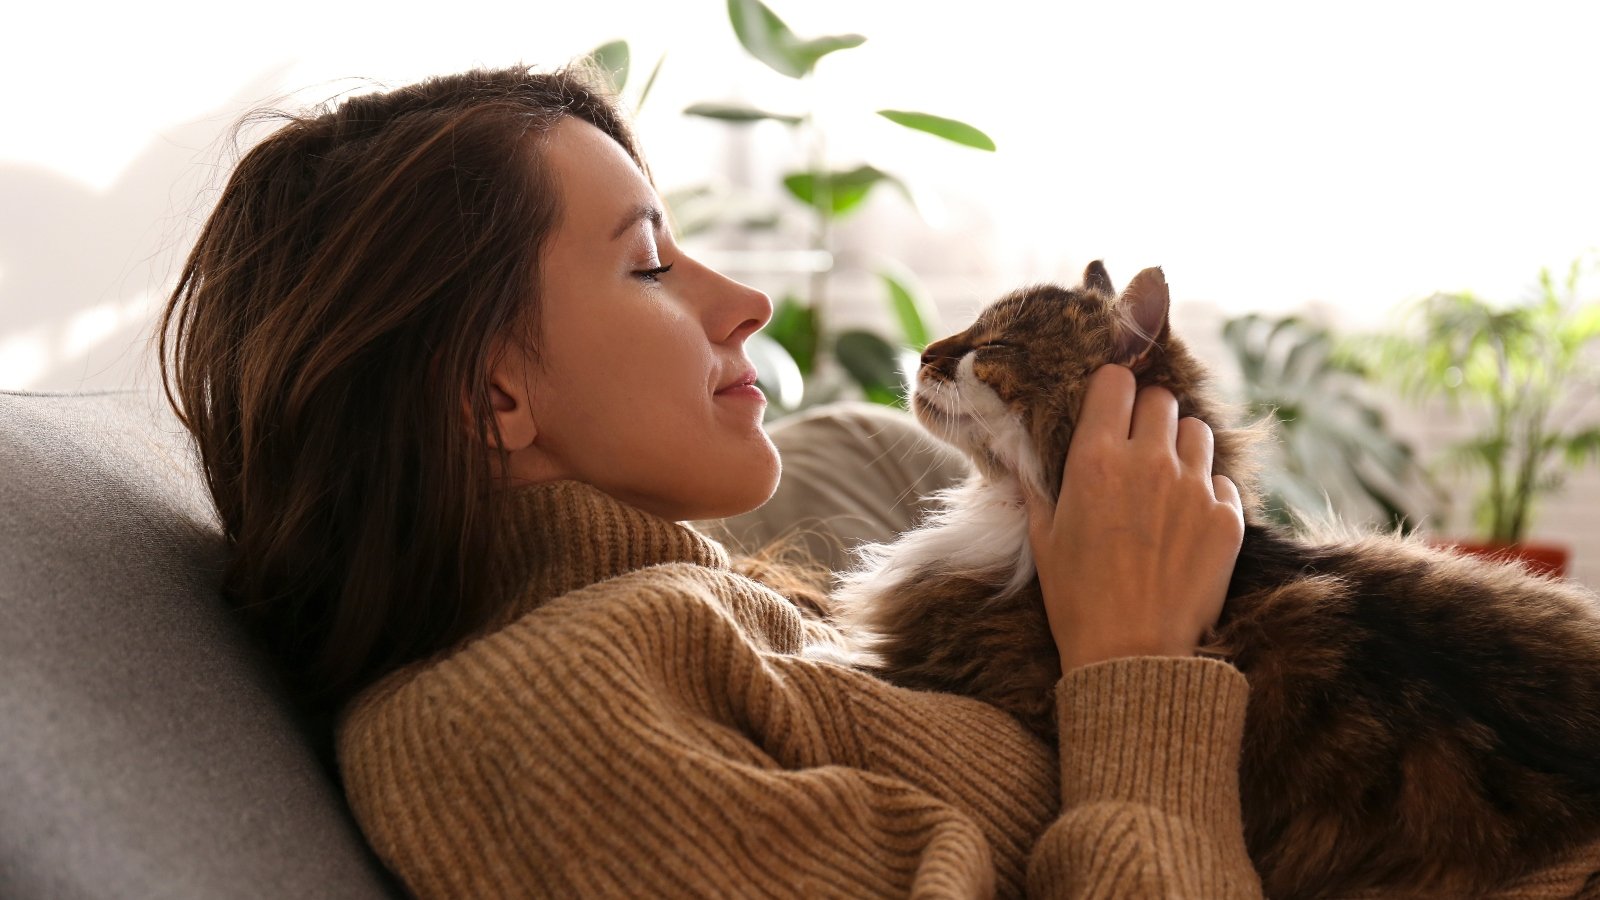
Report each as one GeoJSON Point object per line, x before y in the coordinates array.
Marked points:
{"type": "Point", "coordinates": [509, 400]}
{"type": "Point", "coordinates": [1097, 279]}
{"type": "Point", "coordinates": [1142, 318]}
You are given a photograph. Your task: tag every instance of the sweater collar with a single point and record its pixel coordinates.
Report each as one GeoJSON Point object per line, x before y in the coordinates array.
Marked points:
{"type": "Point", "coordinates": [558, 536]}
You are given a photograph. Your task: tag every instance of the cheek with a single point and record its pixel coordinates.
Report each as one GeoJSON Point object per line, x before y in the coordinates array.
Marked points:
{"type": "Point", "coordinates": [1007, 407]}
{"type": "Point", "coordinates": [1000, 378]}
{"type": "Point", "coordinates": [979, 391]}
{"type": "Point", "coordinates": [627, 360]}
{"type": "Point", "coordinates": [608, 345]}
{"type": "Point", "coordinates": [652, 369]}
{"type": "Point", "coordinates": [584, 382]}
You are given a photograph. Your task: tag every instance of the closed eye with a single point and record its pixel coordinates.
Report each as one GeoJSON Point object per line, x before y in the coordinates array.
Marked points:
{"type": "Point", "coordinates": [653, 275]}
{"type": "Point", "coordinates": [994, 345]}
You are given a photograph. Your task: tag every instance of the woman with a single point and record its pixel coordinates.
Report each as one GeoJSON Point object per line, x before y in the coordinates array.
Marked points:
{"type": "Point", "coordinates": [456, 390]}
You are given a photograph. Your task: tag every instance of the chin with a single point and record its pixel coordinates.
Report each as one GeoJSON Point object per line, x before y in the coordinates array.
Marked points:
{"type": "Point", "coordinates": [742, 488]}
{"type": "Point", "coordinates": [720, 488]}
{"type": "Point", "coordinates": [951, 428]}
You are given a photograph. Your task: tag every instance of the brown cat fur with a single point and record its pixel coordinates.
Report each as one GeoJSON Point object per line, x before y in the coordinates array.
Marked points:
{"type": "Point", "coordinates": [1418, 721]}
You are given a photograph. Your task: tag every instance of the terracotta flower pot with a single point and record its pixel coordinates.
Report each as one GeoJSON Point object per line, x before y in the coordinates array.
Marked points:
{"type": "Point", "coordinates": [1544, 559]}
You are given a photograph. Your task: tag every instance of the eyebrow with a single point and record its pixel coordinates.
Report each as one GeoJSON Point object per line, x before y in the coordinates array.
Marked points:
{"type": "Point", "coordinates": [644, 211]}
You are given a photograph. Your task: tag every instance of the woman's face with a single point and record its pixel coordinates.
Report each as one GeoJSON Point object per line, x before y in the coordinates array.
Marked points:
{"type": "Point", "coordinates": [625, 394]}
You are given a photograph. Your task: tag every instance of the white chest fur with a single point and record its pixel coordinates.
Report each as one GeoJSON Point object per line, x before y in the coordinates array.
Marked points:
{"type": "Point", "coordinates": [979, 528]}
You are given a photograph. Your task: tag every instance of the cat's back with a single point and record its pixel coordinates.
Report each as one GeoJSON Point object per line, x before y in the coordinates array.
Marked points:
{"type": "Point", "coordinates": [1395, 608]}
{"type": "Point", "coordinates": [1405, 588]}
{"type": "Point", "coordinates": [1410, 707]}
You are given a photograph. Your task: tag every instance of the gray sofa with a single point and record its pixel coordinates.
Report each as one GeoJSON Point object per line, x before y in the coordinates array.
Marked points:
{"type": "Point", "coordinates": [145, 749]}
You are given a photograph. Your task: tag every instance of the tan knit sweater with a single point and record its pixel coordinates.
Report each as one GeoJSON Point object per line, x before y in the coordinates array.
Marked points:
{"type": "Point", "coordinates": [639, 722]}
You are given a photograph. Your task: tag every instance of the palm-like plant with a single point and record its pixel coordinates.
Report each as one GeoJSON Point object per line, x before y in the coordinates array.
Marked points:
{"type": "Point", "coordinates": [1334, 454]}
{"type": "Point", "coordinates": [1526, 374]}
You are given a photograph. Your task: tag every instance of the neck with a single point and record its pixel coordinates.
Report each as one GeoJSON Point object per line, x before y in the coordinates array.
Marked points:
{"type": "Point", "coordinates": [555, 537]}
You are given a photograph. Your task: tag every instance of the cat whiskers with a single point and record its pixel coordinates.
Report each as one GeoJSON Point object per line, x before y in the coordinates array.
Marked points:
{"type": "Point", "coordinates": [910, 492]}
{"type": "Point", "coordinates": [932, 395]}
{"type": "Point", "coordinates": [973, 416]}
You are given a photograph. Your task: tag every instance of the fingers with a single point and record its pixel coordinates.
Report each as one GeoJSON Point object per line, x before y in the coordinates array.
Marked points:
{"type": "Point", "coordinates": [1107, 404]}
{"type": "Point", "coordinates": [1155, 417]}
{"type": "Point", "coordinates": [1196, 444]}
{"type": "Point", "coordinates": [1227, 492]}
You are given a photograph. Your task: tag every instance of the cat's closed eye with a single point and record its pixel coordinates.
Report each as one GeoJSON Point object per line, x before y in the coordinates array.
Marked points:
{"type": "Point", "coordinates": [993, 345]}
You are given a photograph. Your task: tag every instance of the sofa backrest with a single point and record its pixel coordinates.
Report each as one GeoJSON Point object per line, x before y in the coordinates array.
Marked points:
{"type": "Point", "coordinates": [145, 749]}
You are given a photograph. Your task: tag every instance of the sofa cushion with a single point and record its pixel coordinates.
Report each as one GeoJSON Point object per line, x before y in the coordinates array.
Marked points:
{"type": "Point", "coordinates": [145, 750]}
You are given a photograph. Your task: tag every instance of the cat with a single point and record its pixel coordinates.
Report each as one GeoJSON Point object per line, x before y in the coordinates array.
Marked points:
{"type": "Point", "coordinates": [1418, 721]}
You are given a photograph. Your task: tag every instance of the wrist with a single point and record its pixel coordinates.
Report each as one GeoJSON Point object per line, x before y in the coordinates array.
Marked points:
{"type": "Point", "coordinates": [1077, 658]}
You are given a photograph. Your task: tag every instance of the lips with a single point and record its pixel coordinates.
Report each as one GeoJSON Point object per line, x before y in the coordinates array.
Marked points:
{"type": "Point", "coordinates": [748, 376]}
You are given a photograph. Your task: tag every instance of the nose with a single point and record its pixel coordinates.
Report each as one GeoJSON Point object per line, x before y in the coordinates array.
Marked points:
{"type": "Point", "coordinates": [938, 361]}
{"type": "Point", "coordinates": [757, 309]}
{"type": "Point", "coordinates": [740, 310]}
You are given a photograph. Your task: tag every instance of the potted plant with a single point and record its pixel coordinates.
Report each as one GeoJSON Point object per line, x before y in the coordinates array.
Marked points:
{"type": "Point", "coordinates": [1333, 456]}
{"type": "Point", "coordinates": [800, 358]}
{"type": "Point", "coordinates": [1525, 375]}
{"type": "Point", "coordinates": [800, 361]}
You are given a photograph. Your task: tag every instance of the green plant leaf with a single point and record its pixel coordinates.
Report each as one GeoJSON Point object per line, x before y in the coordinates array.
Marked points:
{"type": "Point", "coordinates": [1335, 452]}
{"type": "Point", "coordinates": [777, 373]}
{"type": "Point", "coordinates": [873, 363]}
{"type": "Point", "coordinates": [846, 188]}
{"type": "Point", "coordinates": [1581, 446]}
{"type": "Point", "coordinates": [949, 129]}
{"type": "Point", "coordinates": [611, 58]}
{"type": "Point", "coordinates": [1236, 334]}
{"type": "Point", "coordinates": [1394, 513]}
{"type": "Point", "coordinates": [766, 38]}
{"type": "Point", "coordinates": [911, 309]}
{"type": "Point", "coordinates": [649, 83]}
{"type": "Point", "coordinates": [1583, 328]}
{"type": "Point", "coordinates": [794, 326]}
{"type": "Point", "coordinates": [699, 208]}
{"type": "Point", "coordinates": [1307, 359]}
{"type": "Point", "coordinates": [738, 113]}
{"type": "Point", "coordinates": [816, 48]}
{"type": "Point", "coordinates": [691, 210]}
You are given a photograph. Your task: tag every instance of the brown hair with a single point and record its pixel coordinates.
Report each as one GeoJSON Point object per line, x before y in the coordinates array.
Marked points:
{"type": "Point", "coordinates": [335, 315]}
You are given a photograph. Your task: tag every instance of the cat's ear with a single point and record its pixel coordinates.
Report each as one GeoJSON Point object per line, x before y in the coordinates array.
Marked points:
{"type": "Point", "coordinates": [1142, 317]}
{"type": "Point", "coordinates": [1097, 279]}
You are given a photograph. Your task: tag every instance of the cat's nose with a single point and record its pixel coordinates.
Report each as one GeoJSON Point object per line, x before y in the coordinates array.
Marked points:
{"type": "Point", "coordinates": [935, 362]}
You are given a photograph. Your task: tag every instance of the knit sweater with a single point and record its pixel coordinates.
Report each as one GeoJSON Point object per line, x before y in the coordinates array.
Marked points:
{"type": "Point", "coordinates": [639, 720]}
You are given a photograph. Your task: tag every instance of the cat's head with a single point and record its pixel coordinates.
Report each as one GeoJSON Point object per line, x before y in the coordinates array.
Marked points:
{"type": "Point", "coordinates": [1007, 391]}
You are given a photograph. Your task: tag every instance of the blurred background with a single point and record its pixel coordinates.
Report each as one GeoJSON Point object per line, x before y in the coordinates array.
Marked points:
{"type": "Point", "coordinates": [1353, 203]}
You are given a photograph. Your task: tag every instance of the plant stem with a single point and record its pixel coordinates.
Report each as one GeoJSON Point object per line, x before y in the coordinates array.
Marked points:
{"type": "Point", "coordinates": [1532, 455]}
{"type": "Point", "coordinates": [1500, 448]}
{"type": "Point", "coordinates": [821, 207]}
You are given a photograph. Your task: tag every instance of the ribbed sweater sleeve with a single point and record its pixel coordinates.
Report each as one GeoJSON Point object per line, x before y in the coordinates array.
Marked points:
{"type": "Point", "coordinates": [633, 741]}
{"type": "Point", "coordinates": [1149, 784]}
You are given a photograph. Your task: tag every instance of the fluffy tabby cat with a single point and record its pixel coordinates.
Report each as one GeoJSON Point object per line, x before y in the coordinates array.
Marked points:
{"type": "Point", "coordinates": [1417, 720]}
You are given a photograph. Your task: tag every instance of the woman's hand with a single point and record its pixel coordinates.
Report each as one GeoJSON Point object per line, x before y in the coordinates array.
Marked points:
{"type": "Point", "coordinates": [1135, 558]}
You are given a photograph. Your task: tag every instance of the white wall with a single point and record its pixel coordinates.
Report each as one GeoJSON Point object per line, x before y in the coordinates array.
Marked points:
{"type": "Point", "coordinates": [1268, 155]}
